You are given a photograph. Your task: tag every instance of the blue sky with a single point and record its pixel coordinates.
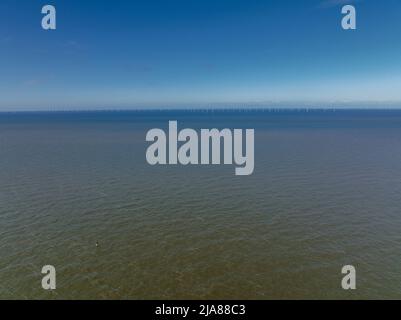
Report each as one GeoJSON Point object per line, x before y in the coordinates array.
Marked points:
{"type": "Point", "coordinates": [134, 54]}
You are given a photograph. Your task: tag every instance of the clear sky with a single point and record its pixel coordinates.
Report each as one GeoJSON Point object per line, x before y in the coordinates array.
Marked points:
{"type": "Point", "coordinates": [123, 54]}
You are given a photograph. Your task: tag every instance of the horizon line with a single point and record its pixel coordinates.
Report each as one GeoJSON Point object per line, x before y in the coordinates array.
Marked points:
{"type": "Point", "coordinates": [205, 109]}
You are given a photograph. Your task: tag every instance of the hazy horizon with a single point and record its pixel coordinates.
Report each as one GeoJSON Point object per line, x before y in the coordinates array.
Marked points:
{"type": "Point", "coordinates": [220, 106]}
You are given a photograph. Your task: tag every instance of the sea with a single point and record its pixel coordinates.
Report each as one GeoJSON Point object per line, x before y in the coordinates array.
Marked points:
{"type": "Point", "coordinates": [77, 193]}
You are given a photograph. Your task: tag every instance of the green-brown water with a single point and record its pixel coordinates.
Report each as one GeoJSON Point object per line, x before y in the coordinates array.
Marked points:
{"type": "Point", "coordinates": [326, 191]}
